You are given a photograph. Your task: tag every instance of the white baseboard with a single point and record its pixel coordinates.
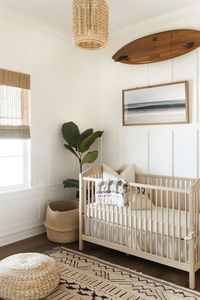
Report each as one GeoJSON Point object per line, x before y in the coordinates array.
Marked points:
{"type": "Point", "coordinates": [20, 235]}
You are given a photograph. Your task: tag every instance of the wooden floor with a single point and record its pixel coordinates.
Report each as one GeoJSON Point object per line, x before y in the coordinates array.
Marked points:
{"type": "Point", "coordinates": [40, 244]}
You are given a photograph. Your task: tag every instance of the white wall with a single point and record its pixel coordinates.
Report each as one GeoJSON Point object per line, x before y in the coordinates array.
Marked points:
{"type": "Point", "coordinates": [60, 93]}
{"type": "Point", "coordinates": [160, 149]}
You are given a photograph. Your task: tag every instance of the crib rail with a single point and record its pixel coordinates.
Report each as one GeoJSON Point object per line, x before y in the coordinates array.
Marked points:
{"type": "Point", "coordinates": [93, 172]}
{"type": "Point", "coordinates": [168, 181]}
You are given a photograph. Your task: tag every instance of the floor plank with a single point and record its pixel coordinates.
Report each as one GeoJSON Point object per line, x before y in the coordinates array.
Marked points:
{"type": "Point", "coordinates": [40, 243]}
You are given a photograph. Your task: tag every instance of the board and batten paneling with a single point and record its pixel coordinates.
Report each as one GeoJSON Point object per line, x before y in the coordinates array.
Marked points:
{"type": "Point", "coordinates": [185, 68]}
{"type": "Point", "coordinates": [160, 162]}
{"type": "Point", "coordinates": [158, 149]}
{"type": "Point", "coordinates": [23, 215]}
{"type": "Point", "coordinates": [137, 148]}
{"type": "Point", "coordinates": [185, 152]}
{"type": "Point", "coordinates": [156, 73]}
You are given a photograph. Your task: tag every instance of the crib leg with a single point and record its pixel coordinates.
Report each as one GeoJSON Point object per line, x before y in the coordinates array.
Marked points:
{"type": "Point", "coordinates": [81, 242]}
{"type": "Point", "coordinates": [192, 280]}
{"type": "Point", "coordinates": [81, 245]}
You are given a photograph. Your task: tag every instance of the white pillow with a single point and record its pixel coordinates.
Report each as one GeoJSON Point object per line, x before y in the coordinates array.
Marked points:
{"type": "Point", "coordinates": [127, 174]}
{"type": "Point", "coordinates": [109, 173]}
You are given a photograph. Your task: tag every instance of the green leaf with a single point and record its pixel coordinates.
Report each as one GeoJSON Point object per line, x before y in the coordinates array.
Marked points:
{"type": "Point", "coordinates": [87, 142]}
{"type": "Point", "coordinates": [71, 134]}
{"type": "Point", "coordinates": [90, 157]}
{"type": "Point", "coordinates": [71, 183]}
{"type": "Point", "coordinates": [85, 134]}
{"type": "Point", "coordinates": [68, 147]}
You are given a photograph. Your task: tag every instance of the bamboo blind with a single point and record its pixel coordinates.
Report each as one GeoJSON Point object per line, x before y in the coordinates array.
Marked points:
{"type": "Point", "coordinates": [14, 105]}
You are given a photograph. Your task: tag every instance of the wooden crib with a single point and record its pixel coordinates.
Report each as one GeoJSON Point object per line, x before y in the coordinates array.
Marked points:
{"type": "Point", "coordinates": [164, 228]}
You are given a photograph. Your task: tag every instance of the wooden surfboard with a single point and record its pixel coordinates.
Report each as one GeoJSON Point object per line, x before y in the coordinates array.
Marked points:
{"type": "Point", "coordinates": [159, 46]}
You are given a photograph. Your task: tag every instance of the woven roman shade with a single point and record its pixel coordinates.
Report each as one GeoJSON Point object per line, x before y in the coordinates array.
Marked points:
{"type": "Point", "coordinates": [14, 105]}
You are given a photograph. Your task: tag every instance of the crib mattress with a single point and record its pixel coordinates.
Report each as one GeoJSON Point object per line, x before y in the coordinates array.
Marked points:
{"type": "Point", "coordinates": [159, 221]}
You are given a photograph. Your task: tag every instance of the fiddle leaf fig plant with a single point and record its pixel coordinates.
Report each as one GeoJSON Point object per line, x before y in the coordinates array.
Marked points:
{"type": "Point", "coordinates": [79, 144]}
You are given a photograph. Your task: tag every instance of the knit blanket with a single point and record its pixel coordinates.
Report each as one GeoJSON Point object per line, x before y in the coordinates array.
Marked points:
{"type": "Point", "coordinates": [112, 192]}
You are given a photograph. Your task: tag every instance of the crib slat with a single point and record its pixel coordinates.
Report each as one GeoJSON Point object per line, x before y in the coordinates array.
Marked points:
{"type": "Point", "coordinates": [93, 209]}
{"type": "Point", "coordinates": [108, 208]}
{"type": "Point", "coordinates": [182, 207]}
{"type": "Point", "coordinates": [140, 218]}
{"type": "Point", "coordinates": [146, 195]}
{"type": "Point", "coordinates": [195, 214]}
{"type": "Point", "coordinates": [88, 207]}
{"type": "Point", "coordinates": [126, 225]}
{"type": "Point", "coordinates": [198, 240]}
{"type": "Point", "coordinates": [197, 223]}
{"type": "Point", "coordinates": [105, 220]}
{"type": "Point", "coordinates": [131, 216]}
{"type": "Point", "coordinates": [136, 218]}
{"type": "Point", "coordinates": [118, 225]}
{"type": "Point", "coordinates": [162, 223]}
{"type": "Point", "coordinates": [85, 203]}
{"type": "Point", "coordinates": [113, 220]}
{"type": "Point", "coordinates": [179, 226]}
{"type": "Point", "coordinates": [168, 228]}
{"type": "Point", "coordinates": [186, 228]}
{"type": "Point", "coordinates": [122, 224]}
{"type": "Point", "coordinates": [156, 222]}
{"type": "Point", "coordinates": [173, 226]}
{"type": "Point", "coordinates": [151, 222]}
{"type": "Point", "coordinates": [197, 230]}
{"type": "Point", "coordinates": [100, 227]}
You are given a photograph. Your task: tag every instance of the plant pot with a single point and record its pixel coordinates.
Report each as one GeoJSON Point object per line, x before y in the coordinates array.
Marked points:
{"type": "Point", "coordinates": [62, 221]}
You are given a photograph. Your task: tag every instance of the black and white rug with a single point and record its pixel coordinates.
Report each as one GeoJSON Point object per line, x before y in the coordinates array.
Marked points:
{"type": "Point", "coordinates": [88, 278]}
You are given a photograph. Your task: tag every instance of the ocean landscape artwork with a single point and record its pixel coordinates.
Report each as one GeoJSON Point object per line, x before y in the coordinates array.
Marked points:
{"type": "Point", "coordinates": [159, 104]}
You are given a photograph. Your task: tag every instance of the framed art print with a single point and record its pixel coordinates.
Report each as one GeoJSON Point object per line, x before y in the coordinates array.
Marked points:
{"type": "Point", "coordinates": [157, 104]}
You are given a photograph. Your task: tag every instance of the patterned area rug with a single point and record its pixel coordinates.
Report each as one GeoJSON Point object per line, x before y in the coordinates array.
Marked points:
{"type": "Point", "coordinates": [85, 277]}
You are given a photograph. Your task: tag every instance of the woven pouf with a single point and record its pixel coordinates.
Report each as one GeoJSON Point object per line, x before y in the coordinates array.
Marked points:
{"type": "Point", "coordinates": [28, 276]}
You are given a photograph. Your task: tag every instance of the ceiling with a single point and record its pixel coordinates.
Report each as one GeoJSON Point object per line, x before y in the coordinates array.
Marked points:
{"type": "Point", "coordinates": [56, 14]}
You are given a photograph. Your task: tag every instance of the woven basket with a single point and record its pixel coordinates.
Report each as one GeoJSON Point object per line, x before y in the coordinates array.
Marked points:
{"type": "Point", "coordinates": [62, 221]}
{"type": "Point", "coordinates": [28, 276]}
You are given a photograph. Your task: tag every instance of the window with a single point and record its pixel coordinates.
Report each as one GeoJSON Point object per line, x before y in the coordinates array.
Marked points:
{"type": "Point", "coordinates": [14, 130]}
{"type": "Point", "coordinates": [14, 164]}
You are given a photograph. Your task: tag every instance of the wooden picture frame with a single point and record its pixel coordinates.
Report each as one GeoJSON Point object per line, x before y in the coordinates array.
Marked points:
{"type": "Point", "coordinates": [166, 103]}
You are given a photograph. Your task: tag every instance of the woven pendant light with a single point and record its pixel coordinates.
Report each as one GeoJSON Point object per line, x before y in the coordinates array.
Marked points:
{"type": "Point", "coordinates": [90, 24]}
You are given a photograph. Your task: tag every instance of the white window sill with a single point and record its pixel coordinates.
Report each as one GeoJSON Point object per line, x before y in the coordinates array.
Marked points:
{"type": "Point", "coordinates": [13, 189]}
{"type": "Point", "coordinates": [30, 191]}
